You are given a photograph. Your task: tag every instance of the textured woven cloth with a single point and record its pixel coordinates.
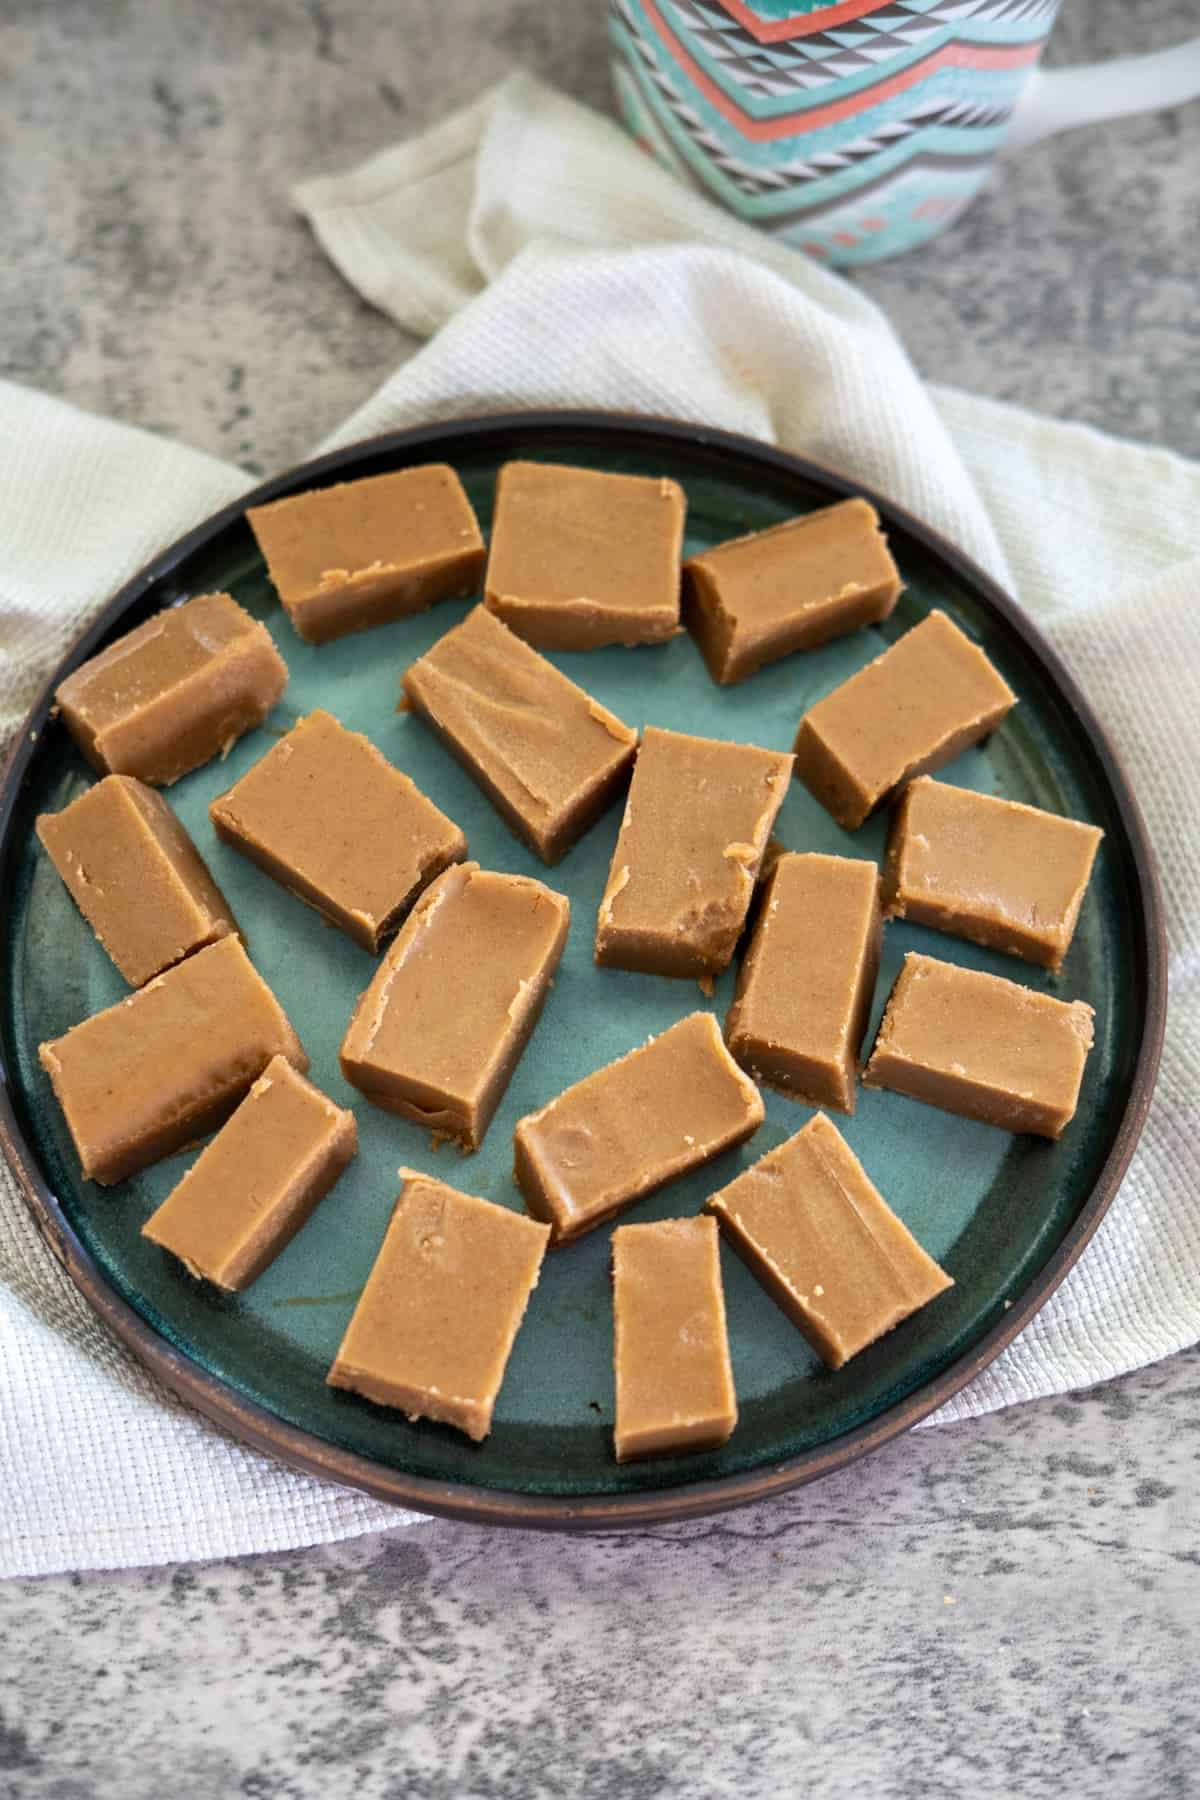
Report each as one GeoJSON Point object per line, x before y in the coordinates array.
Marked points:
{"type": "Point", "coordinates": [557, 265]}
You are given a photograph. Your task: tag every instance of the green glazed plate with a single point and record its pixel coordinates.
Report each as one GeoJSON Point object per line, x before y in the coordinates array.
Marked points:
{"type": "Point", "coordinates": [1005, 1215]}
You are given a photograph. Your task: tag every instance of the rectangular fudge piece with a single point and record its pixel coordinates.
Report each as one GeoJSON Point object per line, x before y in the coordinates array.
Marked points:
{"type": "Point", "coordinates": [674, 1382]}
{"type": "Point", "coordinates": [252, 1188]}
{"type": "Point", "coordinates": [165, 1067]}
{"type": "Point", "coordinates": [435, 1324]}
{"type": "Point", "coordinates": [757, 598]}
{"type": "Point", "coordinates": [665, 1108]}
{"type": "Point", "coordinates": [696, 826]}
{"type": "Point", "coordinates": [982, 1046]}
{"type": "Point", "coordinates": [825, 1244]}
{"type": "Point", "coordinates": [580, 558]}
{"type": "Point", "coordinates": [363, 553]}
{"type": "Point", "coordinates": [930, 695]}
{"type": "Point", "coordinates": [806, 982]}
{"type": "Point", "coordinates": [443, 1025]}
{"type": "Point", "coordinates": [548, 756]}
{"type": "Point", "coordinates": [174, 692]}
{"type": "Point", "coordinates": [992, 870]}
{"type": "Point", "coordinates": [136, 876]}
{"type": "Point", "coordinates": [327, 815]}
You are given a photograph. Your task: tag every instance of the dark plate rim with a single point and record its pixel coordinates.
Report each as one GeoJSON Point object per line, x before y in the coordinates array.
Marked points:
{"type": "Point", "coordinates": [257, 1426]}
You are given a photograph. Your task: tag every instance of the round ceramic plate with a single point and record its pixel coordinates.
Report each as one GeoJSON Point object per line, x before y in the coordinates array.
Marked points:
{"type": "Point", "coordinates": [1005, 1215]}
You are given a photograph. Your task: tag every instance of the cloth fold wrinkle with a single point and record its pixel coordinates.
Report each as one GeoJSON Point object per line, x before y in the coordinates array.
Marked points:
{"type": "Point", "coordinates": [561, 267]}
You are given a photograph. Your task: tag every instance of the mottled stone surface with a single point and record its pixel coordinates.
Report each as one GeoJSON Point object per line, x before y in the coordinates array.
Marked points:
{"type": "Point", "coordinates": [1011, 1606]}
{"type": "Point", "coordinates": [1008, 1608]}
{"type": "Point", "coordinates": [154, 270]}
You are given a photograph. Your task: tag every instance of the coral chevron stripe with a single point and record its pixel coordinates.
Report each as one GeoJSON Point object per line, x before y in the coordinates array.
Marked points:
{"type": "Point", "coordinates": [770, 31]}
{"type": "Point", "coordinates": [967, 56]}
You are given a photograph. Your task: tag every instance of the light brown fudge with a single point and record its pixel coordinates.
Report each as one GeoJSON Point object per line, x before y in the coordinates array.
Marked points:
{"type": "Point", "coordinates": [667, 1107]}
{"type": "Point", "coordinates": [174, 692]}
{"type": "Point", "coordinates": [929, 696]}
{"type": "Point", "coordinates": [580, 558]}
{"type": "Point", "coordinates": [435, 1324]}
{"type": "Point", "coordinates": [674, 1382]}
{"type": "Point", "coordinates": [992, 870]}
{"type": "Point", "coordinates": [364, 553]}
{"type": "Point", "coordinates": [795, 586]}
{"type": "Point", "coordinates": [327, 815]}
{"type": "Point", "coordinates": [548, 756]}
{"type": "Point", "coordinates": [771, 855]}
{"type": "Point", "coordinates": [253, 1187]}
{"type": "Point", "coordinates": [825, 1244]}
{"type": "Point", "coordinates": [982, 1046]}
{"type": "Point", "coordinates": [443, 1025]}
{"type": "Point", "coordinates": [136, 876]}
{"type": "Point", "coordinates": [695, 830]}
{"type": "Point", "coordinates": [166, 1066]}
{"type": "Point", "coordinates": [806, 982]}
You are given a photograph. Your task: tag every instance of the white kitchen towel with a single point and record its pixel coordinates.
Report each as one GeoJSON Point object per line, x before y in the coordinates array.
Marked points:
{"type": "Point", "coordinates": [558, 265]}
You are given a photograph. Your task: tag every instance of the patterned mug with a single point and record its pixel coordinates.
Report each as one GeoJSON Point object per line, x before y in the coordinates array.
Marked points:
{"type": "Point", "coordinates": [859, 129]}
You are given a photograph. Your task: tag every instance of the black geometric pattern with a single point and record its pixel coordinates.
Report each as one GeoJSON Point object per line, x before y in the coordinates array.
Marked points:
{"type": "Point", "coordinates": [805, 64]}
{"type": "Point", "coordinates": [769, 71]}
{"type": "Point", "coordinates": [758, 180]}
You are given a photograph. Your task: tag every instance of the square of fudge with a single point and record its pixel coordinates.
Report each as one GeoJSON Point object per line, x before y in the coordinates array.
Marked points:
{"type": "Point", "coordinates": [992, 870]}
{"type": "Point", "coordinates": [364, 553]}
{"type": "Point", "coordinates": [136, 876]}
{"type": "Point", "coordinates": [436, 1322]}
{"type": "Point", "coordinates": [930, 695]}
{"type": "Point", "coordinates": [443, 1025]}
{"type": "Point", "coordinates": [794, 586]}
{"type": "Point", "coordinates": [548, 756]}
{"type": "Point", "coordinates": [807, 979]}
{"type": "Point", "coordinates": [330, 818]}
{"type": "Point", "coordinates": [252, 1188]}
{"type": "Point", "coordinates": [809, 1223]}
{"type": "Point", "coordinates": [666, 1107]}
{"type": "Point", "coordinates": [691, 844]}
{"type": "Point", "coordinates": [169, 1063]}
{"type": "Point", "coordinates": [174, 692]}
{"type": "Point", "coordinates": [581, 558]}
{"type": "Point", "coordinates": [982, 1046]}
{"type": "Point", "coordinates": [671, 1367]}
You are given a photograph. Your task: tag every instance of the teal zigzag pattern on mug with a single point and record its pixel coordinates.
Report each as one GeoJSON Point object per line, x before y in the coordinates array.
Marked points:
{"type": "Point", "coordinates": [770, 80]}
{"type": "Point", "coordinates": [772, 195]}
{"type": "Point", "coordinates": [854, 140]}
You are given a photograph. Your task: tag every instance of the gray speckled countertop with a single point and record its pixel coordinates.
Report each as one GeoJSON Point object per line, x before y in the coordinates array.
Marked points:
{"type": "Point", "coordinates": [1010, 1606]}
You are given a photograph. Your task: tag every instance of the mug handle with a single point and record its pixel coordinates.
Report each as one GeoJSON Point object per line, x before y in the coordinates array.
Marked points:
{"type": "Point", "coordinates": [1058, 99]}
